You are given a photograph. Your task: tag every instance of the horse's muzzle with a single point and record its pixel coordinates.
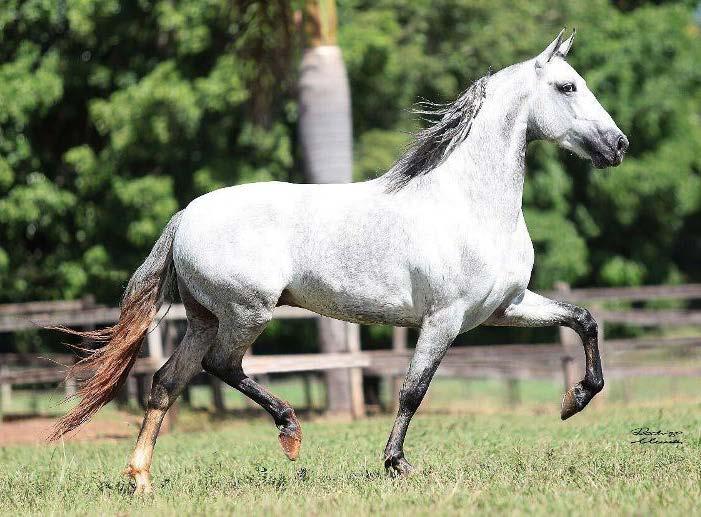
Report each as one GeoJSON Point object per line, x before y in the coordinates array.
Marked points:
{"type": "Point", "coordinates": [611, 153]}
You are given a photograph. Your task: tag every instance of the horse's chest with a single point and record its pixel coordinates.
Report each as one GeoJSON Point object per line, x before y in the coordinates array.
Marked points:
{"type": "Point", "coordinates": [497, 268]}
{"type": "Point", "coordinates": [517, 263]}
{"type": "Point", "coordinates": [518, 266]}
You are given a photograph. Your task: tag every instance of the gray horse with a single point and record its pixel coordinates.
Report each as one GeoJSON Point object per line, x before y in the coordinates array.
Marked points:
{"type": "Point", "coordinates": [438, 243]}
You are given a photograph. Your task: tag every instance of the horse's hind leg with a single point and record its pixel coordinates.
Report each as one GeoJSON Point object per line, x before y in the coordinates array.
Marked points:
{"type": "Point", "coordinates": [224, 361]}
{"type": "Point", "coordinates": [168, 383]}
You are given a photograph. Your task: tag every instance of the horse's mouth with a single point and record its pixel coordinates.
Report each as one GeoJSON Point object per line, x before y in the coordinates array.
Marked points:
{"type": "Point", "coordinates": [610, 159]}
{"type": "Point", "coordinates": [610, 152]}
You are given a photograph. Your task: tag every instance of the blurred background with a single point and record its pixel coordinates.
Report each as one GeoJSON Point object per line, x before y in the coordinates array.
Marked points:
{"type": "Point", "coordinates": [115, 114]}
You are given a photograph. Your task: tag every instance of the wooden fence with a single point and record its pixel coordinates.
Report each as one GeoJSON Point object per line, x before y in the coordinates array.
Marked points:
{"type": "Point", "coordinates": [511, 362]}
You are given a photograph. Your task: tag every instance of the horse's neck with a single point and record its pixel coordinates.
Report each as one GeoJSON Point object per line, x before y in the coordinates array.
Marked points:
{"type": "Point", "coordinates": [486, 171]}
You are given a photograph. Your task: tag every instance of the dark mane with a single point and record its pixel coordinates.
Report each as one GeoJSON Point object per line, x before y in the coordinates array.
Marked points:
{"type": "Point", "coordinates": [451, 124]}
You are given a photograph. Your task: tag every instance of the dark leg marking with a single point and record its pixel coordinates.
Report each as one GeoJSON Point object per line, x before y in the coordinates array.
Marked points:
{"type": "Point", "coordinates": [421, 370]}
{"type": "Point", "coordinates": [578, 396]}
{"type": "Point", "coordinates": [290, 436]}
{"type": "Point", "coordinates": [533, 310]}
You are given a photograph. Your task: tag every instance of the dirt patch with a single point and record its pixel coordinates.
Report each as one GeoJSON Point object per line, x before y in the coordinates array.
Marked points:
{"type": "Point", "coordinates": [34, 430]}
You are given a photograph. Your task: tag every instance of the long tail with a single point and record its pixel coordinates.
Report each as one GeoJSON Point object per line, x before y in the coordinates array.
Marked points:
{"type": "Point", "coordinates": [109, 365]}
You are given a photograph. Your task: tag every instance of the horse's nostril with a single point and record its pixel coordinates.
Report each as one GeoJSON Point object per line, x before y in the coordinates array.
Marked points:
{"type": "Point", "coordinates": [622, 144]}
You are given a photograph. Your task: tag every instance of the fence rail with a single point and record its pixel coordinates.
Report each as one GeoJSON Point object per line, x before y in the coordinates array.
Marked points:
{"type": "Point", "coordinates": [515, 361]}
{"type": "Point", "coordinates": [643, 293]}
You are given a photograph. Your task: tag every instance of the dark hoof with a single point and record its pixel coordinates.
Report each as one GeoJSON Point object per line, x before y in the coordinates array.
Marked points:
{"type": "Point", "coordinates": [398, 466]}
{"type": "Point", "coordinates": [575, 399]}
{"type": "Point", "coordinates": [291, 437]}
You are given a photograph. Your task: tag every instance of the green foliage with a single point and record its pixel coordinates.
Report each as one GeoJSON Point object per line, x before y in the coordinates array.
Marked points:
{"type": "Point", "coordinates": [114, 114]}
{"type": "Point", "coordinates": [629, 225]}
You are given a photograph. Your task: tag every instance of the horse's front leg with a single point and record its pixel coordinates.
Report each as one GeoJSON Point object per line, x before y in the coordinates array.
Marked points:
{"type": "Point", "coordinates": [435, 338]}
{"type": "Point", "coordinates": [533, 310]}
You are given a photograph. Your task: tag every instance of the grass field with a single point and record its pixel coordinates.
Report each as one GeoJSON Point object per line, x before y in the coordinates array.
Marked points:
{"type": "Point", "coordinates": [486, 459]}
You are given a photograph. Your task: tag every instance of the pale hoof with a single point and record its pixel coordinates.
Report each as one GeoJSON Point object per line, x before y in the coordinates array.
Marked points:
{"type": "Point", "coordinates": [290, 438]}
{"type": "Point", "coordinates": [142, 481]}
{"type": "Point", "coordinates": [290, 445]}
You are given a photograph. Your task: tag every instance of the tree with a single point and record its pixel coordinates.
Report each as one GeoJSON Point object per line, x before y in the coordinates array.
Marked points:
{"type": "Point", "coordinates": [326, 143]}
{"type": "Point", "coordinates": [114, 114]}
{"type": "Point", "coordinates": [635, 224]}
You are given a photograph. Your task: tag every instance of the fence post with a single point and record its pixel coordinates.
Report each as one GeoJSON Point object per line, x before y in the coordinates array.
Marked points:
{"type": "Point", "coordinates": [154, 338]}
{"type": "Point", "coordinates": [568, 371]}
{"type": "Point", "coordinates": [70, 387]}
{"type": "Point", "coordinates": [154, 343]}
{"type": "Point", "coordinates": [307, 387]}
{"type": "Point", "coordinates": [216, 388]}
{"type": "Point", "coordinates": [122, 397]}
{"type": "Point", "coordinates": [356, 374]}
{"type": "Point", "coordinates": [602, 395]}
{"type": "Point", "coordinates": [513, 391]}
{"type": "Point", "coordinates": [132, 390]}
{"type": "Point", "coordinates": [569, 341]}
{"type": "Point", "coordinates": [5, 393]}
{"type": "Point", "coordinates": [333, 337]}
{"type": "Point", "coordinates": [217, 395]}
{"type": "Point", "coordinates": [399, 346]}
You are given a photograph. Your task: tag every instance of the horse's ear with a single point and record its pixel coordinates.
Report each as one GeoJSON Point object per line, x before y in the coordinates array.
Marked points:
{"type": "Point", "coordinates": [566, 45]}
{"type": "Point", "coordinates": [549, 51]}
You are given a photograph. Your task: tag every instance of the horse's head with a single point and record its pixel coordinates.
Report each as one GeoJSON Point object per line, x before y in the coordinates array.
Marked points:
{"type": "Point", "coordinates": [564, 110]}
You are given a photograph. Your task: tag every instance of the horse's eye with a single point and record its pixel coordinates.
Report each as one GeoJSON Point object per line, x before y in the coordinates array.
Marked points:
{"type": "Point", "coordinates": [567, 87]}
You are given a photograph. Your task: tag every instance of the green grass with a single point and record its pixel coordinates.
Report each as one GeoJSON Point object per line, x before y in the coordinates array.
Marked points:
{"type": "Point", "coordinates": [446, 394]}
{"type": "Point", "coordinates": [50, 402]}
{"type": "Point", "coordinates": [520, 461]}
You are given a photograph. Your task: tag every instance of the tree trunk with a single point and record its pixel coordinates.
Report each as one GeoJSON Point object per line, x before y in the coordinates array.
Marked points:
{"type": "Point", "coordinates": [326, 140]}
{"type": "Point", "coordinates": [325, 117]}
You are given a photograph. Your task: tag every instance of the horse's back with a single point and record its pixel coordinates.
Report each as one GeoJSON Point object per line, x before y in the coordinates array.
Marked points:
{"type": "Point", "coordinates": [334, 249]}
{"type": "Point", "coordinates": [348, 251]}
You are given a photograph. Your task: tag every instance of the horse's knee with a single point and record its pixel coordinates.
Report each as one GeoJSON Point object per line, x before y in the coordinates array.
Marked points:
{"type": "Point", "coordinates": [584, 323]}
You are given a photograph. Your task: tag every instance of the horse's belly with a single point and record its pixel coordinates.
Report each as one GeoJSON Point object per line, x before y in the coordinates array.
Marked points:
{"type": "Point", "coordinates": [359, 300]}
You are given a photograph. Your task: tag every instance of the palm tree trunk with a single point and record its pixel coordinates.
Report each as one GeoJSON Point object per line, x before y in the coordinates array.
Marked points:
{"type": "Point", "coordinates": [324, 100]}
{"type": "Point", "coordinates": [326, 140]}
